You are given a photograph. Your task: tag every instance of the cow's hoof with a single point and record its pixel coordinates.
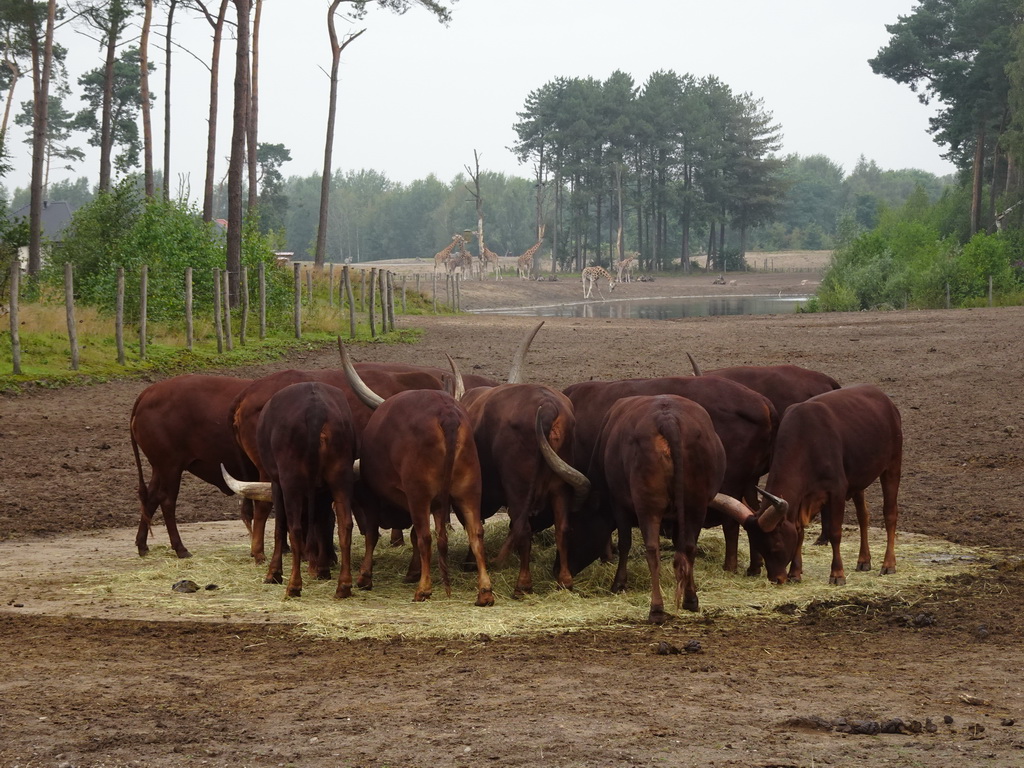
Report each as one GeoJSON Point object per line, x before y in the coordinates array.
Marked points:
{"type": "Point", "coordinates": [259, 558]}
{"type": "Point", "coordinates": [691, 604]}
{"type": "Point", "coordinates": [294, 592]}
{"type": "Point", "coordinates": [657, 616]}
{"type": "Point", "coordinates": [865, 566]}
{"type": "Point", "coordinates": [411, 578]}
{"type": "Point", "coordinates": [618, 587]}
{"type": "Point", "coordinates": [485, 598]}
{"type": "Point", "coordinates": [344, 591]}
{"type": "Point", "coordinates": [143, 551]}
{"type": "Point", "coordinates": [754, 571]}
{"type": "Point", "coordinates": [421, 597]}
{"type": "Point", "coordinates": [323, 574]}
{"type": "Point", "coordinates": [838, 581]}
{"type": "Point", "coordinates": [183, 553]}
{"type": "Point", "coordinates": [365, 582]}
{"type": "Point", "coordinates": [887, 569]}
{"type": "Point", "coordinates": [273, 578]}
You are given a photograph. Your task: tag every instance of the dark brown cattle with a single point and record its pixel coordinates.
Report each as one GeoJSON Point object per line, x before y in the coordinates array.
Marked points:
{"type": "Point", "coordinates": [511, 424]}
{"type": "Point", "coordinates": [657, 460]}
{"type": "Point", "coordinates": [247, 406]}
{"type": "Point", "coordinates": [417, 461]}
{"type": "Point", "coordinates": [829, 449]}
{"type": "Point", "coordinates": [183, 425]}
{"type": "Point", "coordinates": [307, 444]}
{"type": "Point", "coordinates": [744, 420]}
{"type": "Point", "coordinates": [782, 384]}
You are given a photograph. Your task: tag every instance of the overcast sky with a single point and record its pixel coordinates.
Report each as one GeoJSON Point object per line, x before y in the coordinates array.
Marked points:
{"type": "Point", "coordinates": [417, 97]}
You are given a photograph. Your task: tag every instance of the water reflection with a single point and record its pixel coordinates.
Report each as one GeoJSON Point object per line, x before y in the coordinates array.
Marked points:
{"type": "Point", "coordinates": [665, 308]}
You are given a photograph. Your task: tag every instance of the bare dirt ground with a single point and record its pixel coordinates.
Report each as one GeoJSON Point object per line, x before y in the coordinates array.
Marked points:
{"type": "Point", "coordinates": [112, 691]}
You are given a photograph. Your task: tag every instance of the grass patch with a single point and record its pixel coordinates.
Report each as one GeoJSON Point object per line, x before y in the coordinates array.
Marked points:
{"type": "Point", "coordinates": [388, 612]}
{"type": "Point", "coordinates": [46, 353]}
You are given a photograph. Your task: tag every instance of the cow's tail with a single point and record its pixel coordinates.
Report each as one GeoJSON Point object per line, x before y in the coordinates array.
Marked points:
{"type": "Point", "coordinates": [143, 489]}
{"type": "Point", "coordinates": [671, 431]}
{"type": "Point", "coordinates": [452, 427]}
{"type": "Point", "coordinates": [318, 443]}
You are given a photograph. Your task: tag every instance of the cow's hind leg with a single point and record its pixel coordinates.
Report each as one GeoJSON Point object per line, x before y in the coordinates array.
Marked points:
{"type": "Point", "coordinates": [421, 528]}
{"type": "Point", "coordinates": [475, 533]}
{"type": "Point", "coordinates": [836, 505]}
{"type": "Point", "coordinates": [651, 530]}
{"type": "Point", "coordinates": [890, 481]}
{"type": "Point", "coordinates": [863, 521]}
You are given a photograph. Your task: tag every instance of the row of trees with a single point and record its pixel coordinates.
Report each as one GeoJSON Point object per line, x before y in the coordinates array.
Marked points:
{"type": "Point", "coordinates": [677, 156]}
{"type": "Point", "coordinates": [118, 95]}
{"type": "Point", "coordinates": [372, 217]}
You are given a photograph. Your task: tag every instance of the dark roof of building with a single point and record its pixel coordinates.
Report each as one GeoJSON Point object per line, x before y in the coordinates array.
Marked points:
{"type": "Point", "coordinates": [55, 218]}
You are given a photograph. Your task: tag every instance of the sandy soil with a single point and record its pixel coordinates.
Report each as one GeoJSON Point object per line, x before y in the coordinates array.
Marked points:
{"type": "Point", "coordinates": [117, 690]}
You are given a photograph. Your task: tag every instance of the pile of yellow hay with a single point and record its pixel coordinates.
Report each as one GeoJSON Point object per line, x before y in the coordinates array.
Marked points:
{"type": "Point", "coordinates": [388, 611]}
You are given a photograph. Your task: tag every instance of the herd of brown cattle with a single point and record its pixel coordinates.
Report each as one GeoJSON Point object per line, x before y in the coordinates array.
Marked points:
{"type": "Point", "coordinates": [398, 446]}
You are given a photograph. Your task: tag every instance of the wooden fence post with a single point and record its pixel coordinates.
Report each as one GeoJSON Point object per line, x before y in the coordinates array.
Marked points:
{"type": "Point", "coordinates": [362, 290]}
{"type": "Point", "coordinates": [189, 320]}
{"type": "Point", "coordinates": [330, 285]}
{"type": "Point", "coordinates": [229, 341]}
{"type": "Point", "coordinates": [143, 309]}
{"type": "Point", "coordinates": [373, 289]}
{"type": "Point", "coordinates": [404, 290]}
{"type": "Point", "coordinates": [297, 311]}
{"type": "Point", "coordinates": [69, 310]}
{"type": "Point", "coordinates": [382, 284]}
{"type": "Point", "coordinates": [309, 287]}
{"type": "Point", "coordinates": [263, 302]}
{"type": "Point", "coordinates": [346, 279]}
{"type": "Point", "coordinates": [119, 317]}
{"type": "Point", "coordinates": [15, 337]}
{"type": "Point", "coordinates": [433, 292]}
{"type": "Point", "coordinates": [217, 324]}
{"type": "Point", "coordinates": [243, 323]}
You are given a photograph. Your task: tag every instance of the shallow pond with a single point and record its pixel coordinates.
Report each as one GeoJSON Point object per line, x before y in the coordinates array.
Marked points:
{"type": "Point", "coordinates": [662, 308]}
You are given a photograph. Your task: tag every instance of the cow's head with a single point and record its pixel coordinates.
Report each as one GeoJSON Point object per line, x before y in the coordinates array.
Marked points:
{"type": "Point", "coordinates": [771, 531]}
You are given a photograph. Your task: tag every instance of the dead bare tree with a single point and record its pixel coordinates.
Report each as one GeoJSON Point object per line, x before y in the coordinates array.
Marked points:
{"type": "Point", "coordinates": [337, 46]}
{"type": "Point", "coordinates": [171, 5]}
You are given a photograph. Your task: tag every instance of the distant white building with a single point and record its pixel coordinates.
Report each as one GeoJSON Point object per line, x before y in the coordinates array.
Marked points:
{"type": "Point", "coordinates": [55, 218]}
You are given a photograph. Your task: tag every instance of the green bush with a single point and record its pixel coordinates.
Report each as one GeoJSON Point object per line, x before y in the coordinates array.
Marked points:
{"type": "Point", "coordinates": [122, 228]}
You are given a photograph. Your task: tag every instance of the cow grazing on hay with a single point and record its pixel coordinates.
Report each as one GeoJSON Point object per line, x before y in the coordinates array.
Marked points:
{"type": "Point", "coordinates": [523, 435]}
{"type": "Point", "coordinates": [830, 449]}
{"type": "Point", "coordinates": [182, 425]}
{"type": "Point", "coordinates": [658, 464]}
{"type": "Point", "coordinates": [744, 421]}
{"type": "Point", "coordinates": [417, 460]}
{"type": "Point", "coordinates": [307, 444]}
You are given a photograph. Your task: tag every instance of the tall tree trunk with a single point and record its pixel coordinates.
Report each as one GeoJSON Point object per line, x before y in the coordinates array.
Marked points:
{"type": "Point", "coordinates": [147, 125]}
{"type": "Point", "coordinates": [167, 100]}
{"type": "Point", "coordinates": [236, 163]}
{"type": "Point", "coordinates": [106, 111]}
{"type": "Point", "coordinates": [332, 107]}
{"type": "Point", "coordinates": [16, 74]}
{"type": "Point", "coordinates": [254, 106]}
{"type": "Point", "coordinates": [42, 64]}
{"type": "Point", "coordinates": [979, 161]}
{"type": "Point", "coordinates": [211, 135]}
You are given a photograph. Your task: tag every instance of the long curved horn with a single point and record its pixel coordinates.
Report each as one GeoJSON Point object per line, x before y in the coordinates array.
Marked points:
{"type": "Point", "coordinates": [460, 385]}
{"type": "Point", "coordinates": [370, 398]}
{"type": "Point", "coordinates": [575, 478]}
{"type": "Point", "coordinates": [696, 368]}
{"type": "Point", "coordinates": [515, 375]}
{"type": "Point", "coordinates": [731, 507]}
{"type": "Point", "coordinates": [773, 514]}
{"type": "Point", "coordinates": [250, 490]}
